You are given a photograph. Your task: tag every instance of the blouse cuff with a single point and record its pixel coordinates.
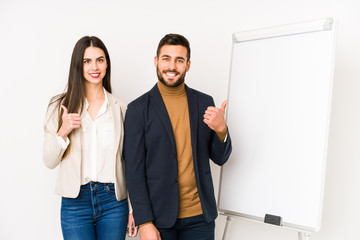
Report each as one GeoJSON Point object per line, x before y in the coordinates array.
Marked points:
{"type": "Point", "coordinates": [63, 144]}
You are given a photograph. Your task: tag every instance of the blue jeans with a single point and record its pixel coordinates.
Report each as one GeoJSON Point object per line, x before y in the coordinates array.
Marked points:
{"type": "Point", "coordinates": [94, 214]}
{"type": "Point", "coordinates": [191, 228]}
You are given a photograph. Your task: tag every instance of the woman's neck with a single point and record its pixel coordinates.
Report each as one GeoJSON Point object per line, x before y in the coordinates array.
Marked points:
{"type": "Point", "coordinates": [94, 92]}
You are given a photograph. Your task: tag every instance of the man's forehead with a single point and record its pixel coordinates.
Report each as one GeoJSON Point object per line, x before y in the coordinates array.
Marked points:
{"type": "Point", "coordinates": [179, 48]}
{"type": "Point", "coordinates": [173, 51]}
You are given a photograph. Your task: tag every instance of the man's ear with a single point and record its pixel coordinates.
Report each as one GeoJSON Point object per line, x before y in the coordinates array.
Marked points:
{"type": "Point", "coordinates": [188, 65]}
{"type": "Point", "coordinates": [155, 61]}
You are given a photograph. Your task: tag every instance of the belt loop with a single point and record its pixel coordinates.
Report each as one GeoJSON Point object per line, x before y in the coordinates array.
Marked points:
{"type": "Point", "coordinates": [93, 185]}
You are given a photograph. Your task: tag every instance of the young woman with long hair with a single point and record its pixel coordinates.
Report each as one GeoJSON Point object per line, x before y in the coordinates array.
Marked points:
{"type": "Point", "coordinates": [84, 136]}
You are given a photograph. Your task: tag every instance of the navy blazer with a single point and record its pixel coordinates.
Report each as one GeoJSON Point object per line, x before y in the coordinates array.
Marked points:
{"type": "Point", "coordinates": [151, 160]}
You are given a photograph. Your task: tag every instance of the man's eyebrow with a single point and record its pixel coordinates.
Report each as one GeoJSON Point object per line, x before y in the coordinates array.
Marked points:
{"type": "Point", "coordinates": [175, 57]}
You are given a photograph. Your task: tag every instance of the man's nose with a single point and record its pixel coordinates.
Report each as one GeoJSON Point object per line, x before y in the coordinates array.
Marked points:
{"type": "Point", "coordinates": [172, 65]}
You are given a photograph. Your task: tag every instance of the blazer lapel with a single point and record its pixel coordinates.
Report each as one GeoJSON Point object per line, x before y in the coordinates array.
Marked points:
{"type": "Point", "coordinates": [159, 105]}
{"type": "Point", "coordinates": [194, 118]}
{"type": "Point", "coordinates": [115, 109]}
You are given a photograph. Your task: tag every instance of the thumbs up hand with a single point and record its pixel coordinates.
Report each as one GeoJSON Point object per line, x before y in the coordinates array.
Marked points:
{"type": "Point", "coordinates": [214, 118]}
{"type": "Point", "coordinates": [70, 121]}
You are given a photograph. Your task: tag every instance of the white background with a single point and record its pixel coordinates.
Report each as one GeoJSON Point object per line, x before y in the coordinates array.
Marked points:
{"type": "Point", "coordinates": [36, 42]}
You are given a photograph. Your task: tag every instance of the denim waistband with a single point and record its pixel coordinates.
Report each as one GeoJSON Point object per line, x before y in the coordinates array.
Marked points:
{"type": "Point", "coordinates": [95, 185]}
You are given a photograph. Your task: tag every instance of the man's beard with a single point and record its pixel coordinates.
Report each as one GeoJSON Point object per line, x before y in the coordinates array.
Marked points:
{"type": "Point", "coordinates": [178, 82]}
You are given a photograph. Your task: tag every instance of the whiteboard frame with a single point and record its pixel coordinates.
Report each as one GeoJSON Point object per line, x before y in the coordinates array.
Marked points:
{"type": "Point", "coordinates": [326, 24]}
{"type": "Point", "coordinates": [284, 30]}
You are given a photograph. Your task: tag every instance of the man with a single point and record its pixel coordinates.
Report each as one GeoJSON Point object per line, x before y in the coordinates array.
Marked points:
{"type": "Point", "coordinates": [170, 134]}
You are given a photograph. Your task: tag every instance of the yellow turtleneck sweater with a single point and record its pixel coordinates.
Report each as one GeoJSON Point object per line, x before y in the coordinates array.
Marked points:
{"type": "Point", "coordinates": [175, 100]}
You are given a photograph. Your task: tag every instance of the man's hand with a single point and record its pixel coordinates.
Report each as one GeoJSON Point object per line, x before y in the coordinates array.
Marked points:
{"type": "Point", "coordinates": [214, 118]}
{"type": "Point", "coordinates": [149, 232]}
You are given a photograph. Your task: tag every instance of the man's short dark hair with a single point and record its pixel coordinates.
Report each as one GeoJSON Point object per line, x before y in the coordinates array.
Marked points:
{"type": "Point", "coordinates": [174, 39]}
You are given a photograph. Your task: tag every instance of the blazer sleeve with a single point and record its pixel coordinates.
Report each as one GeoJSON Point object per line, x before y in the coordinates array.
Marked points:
{"type": "Point", "coordinates": [220, 151]}
{"type": "Point", "coordinates": [135, 156]}
{"type": "Point", "coordinates": [52, 149]}
{"type": "Point", "coordinates": [123, 113]}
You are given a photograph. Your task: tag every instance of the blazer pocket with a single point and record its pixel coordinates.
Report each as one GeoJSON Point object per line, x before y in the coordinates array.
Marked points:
{"type": "Point", "coordinates": [108, 136]}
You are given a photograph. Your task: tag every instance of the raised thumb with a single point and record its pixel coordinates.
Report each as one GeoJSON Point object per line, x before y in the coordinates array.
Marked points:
{"type": "Point", "coordinates": [65, 110]}
{"type": "Point", "coordinates": [223, 105]}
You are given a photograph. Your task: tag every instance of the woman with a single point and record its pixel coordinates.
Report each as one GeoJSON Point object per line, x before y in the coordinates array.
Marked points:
{"type": "Point", "coordinates": [84, 135]}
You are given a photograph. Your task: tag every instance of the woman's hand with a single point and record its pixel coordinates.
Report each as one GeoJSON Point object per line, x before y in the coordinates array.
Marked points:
{"type": "Point", "coordinates": [132, 230]}
{"type": "Point", "coordinates": [70, 121]}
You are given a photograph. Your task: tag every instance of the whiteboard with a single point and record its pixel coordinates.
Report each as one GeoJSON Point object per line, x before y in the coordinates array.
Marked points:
{"type": "Point", "coordinates": [278, 116]}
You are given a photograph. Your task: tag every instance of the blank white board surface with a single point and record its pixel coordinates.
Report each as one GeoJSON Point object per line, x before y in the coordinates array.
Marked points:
{"type": "Point", "coordinates": [278, 117]}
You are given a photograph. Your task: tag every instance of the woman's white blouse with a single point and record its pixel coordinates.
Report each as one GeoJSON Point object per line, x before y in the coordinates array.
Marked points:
{"type": "Point", "coordinates": [98, 138]}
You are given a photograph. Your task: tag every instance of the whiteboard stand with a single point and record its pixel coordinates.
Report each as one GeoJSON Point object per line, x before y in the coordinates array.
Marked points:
{"type": "Point", "coordinates": [301, 234]}
{"type": "Point", "coordinates": [304, 236]}
{"type": "Point", "coordinates": [228, 219]}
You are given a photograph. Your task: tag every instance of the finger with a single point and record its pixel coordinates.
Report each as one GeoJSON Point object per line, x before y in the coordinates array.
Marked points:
{"type": "Point", "coordinates": [72, 118]}
{"type": "Point", "coordinates": [207, 117]}
{"type": "Point", "coordinates": [65, 110]}
{"type": "Point", "coordinates": [131, 232]}
{"type": "Point", "coordinates": [213, 112]}
{"type": "Point", "coordinates": [77, 125]}
{"type": "Point", "coordinates": [207, 122]}
{"type": "Point", "coordinates": [223, 105]}
{"type": "Point", "coordinates": [210, 111]}
{"type": "Point", "coordinates": [73, 114]}
{"type": "Point", "coordinates": [211, 108]}
{"type": "Point", "coordinates": [135, 231]}
{"type": "Point", "coordinates": [130, 229]}
{"type": "Point", "coordinates": [77, 122]}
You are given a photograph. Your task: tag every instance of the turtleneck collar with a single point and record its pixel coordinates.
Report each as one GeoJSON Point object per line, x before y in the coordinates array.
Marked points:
{"type": "Point", "coordinates": [171, 91]}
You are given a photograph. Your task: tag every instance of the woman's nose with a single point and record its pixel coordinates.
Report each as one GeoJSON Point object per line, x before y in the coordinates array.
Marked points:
{"type": "Point", "coordinates": [94, 65]}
